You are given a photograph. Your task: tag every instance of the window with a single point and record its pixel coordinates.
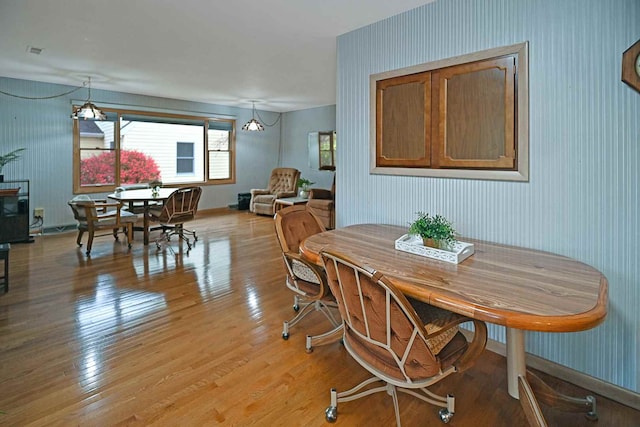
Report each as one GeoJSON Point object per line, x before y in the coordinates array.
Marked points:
{"type": "Point", "coordinates": [463, 117]}
{"type": "Point", "coordinates": [133, 147]}
{"type": "Point", "coordinates": [184, 158]}
{"type": "Point", "coordinates": [220, 154]}
{"type": "Point", "coordinates": [327, 150]}
{"type": "Point", "coordinates": [322, 150]}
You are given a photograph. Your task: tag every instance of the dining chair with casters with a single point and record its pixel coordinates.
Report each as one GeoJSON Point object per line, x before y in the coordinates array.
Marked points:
{"type": "Point", "coordinates": [306, 280]}
{"type": "Point", "coordinates": [93, 215]}
{"type": "Point", "coordinates": [405, 344]}
{"type": "Point", "coordinates": [180, 207]}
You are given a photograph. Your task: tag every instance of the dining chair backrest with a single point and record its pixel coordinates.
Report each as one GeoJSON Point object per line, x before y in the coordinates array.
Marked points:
{"type": "Point", "coordinates": [82, 207]}
{"type": "Point", "coordinates": [181, 206]}
{"type": "Point", "coordinates": [293, 225]}
{"type": "Point", "coordinates": [381, 327]}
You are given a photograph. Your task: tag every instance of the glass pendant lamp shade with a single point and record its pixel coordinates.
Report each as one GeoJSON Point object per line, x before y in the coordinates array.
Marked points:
{"type": "Point", "coordinates": [253, 124]}
{"type": "Point", "coordinates": [89, 111]}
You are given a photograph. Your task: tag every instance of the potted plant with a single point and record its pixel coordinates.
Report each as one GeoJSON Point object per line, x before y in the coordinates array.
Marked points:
{"type": "Point", "coordinates": [8, 158]}
{"type": "Point", "coordinates": [304, 184]}
{"type": "Point", "coordinates": [436, 231]}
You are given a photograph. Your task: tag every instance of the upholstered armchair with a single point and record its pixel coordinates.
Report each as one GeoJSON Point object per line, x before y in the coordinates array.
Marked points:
{"type": "Point", "coordinates": [322, 204]}
{"type": "Point", "coordinates": [282, 183]}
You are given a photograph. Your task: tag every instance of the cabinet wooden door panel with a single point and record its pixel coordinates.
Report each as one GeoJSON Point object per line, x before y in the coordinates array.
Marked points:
{"type": "Point", "coordinates": [476, 115]}
{"type": "Point", "coordinates": [404, 121]}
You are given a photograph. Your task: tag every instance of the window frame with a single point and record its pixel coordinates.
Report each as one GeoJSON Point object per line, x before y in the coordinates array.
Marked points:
{"type": "Point", "coordinates": [206, 121]}
{"type": "Point", "coordinates": [232, 155]}
{"type": "Point", "coordinates": [521, 122]}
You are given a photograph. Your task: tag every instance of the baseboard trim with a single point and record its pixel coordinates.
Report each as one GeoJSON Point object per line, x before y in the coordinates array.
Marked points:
{"type": "Point", "coordinates": [74, 227]}
{"type": "Point", "coordinates": [58, 229]}
{"type": "Point", "coordinates": [603, 388]}
{"type": "Point", "coordinates": [212, 211]}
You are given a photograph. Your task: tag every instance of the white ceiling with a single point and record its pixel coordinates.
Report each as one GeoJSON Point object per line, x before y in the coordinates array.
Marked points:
{"type": "Point", "coordinates": [279, 52]}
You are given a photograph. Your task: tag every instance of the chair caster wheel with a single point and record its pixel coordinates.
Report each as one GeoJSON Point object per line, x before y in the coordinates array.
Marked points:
{"type": "Point", "coordinates": [296, 307]}
{"type": "Point", "coordinates": [592, 415]}
{"type": "Point", "coordinates": [445, 415]}
{"type": "Point", "coordinates": [331, 414]}
{"type": "Point", "coordinates": [309, 350]}
{"type": "Point", "coordinates": [285, 336]}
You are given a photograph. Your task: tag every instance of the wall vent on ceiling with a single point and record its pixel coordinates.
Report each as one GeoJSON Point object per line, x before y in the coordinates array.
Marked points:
{"type": "Point", "coordinates": [34, 50]}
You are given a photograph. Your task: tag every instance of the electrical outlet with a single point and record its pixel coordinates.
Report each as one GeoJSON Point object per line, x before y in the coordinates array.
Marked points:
{"type": "Point", "coordinates": [38, 213]}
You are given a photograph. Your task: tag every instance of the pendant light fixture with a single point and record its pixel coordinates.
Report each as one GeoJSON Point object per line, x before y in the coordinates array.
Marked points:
{"type": "Point", "coordinates": [88, 111]}
{"type": "Point", "coordinates": [253, 125]}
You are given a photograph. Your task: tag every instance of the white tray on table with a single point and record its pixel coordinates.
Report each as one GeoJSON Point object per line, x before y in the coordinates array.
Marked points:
{"type": "Point", "coordinates": [413, 244]}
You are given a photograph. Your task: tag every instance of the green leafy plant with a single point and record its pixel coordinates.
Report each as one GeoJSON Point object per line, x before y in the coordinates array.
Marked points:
{"type": "Point", "coordinates": [304, 183]}
{"type": "Point", "coordinates": [433, 227]}
{"type": "Point", "coordinates": [10, 157]}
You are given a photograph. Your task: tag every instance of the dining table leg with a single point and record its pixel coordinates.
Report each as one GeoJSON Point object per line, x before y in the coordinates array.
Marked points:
{"type": "Point", "coordinates": [529, 388]}
{"type": "Point", "coordinates": [516, 365]}
{"type": "Point", "coordinates": [145, 223]}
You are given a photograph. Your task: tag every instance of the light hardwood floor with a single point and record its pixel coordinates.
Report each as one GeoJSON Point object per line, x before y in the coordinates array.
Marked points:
{"type": "Point", "coordinates": [169, 339]}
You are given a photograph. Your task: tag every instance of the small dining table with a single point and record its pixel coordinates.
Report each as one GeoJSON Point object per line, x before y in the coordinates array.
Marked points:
{"type": "Point", "coordinates": [519, 288]}
{"type": "Point", "coordinates": [144, 196]}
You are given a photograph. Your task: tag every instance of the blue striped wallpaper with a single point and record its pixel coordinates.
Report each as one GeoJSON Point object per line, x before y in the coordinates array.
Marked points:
{"type": "Point", "coordinates": [582, 199]}
{"type": "Point", "coordinates": [44, 127]}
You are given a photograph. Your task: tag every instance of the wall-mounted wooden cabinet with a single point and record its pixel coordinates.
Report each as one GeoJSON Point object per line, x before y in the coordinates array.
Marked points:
{"type": "Point", "coordinates": [464, 117]}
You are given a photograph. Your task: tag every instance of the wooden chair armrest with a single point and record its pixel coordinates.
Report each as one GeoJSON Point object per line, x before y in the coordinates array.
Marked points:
{"type": "Point", "coordinates": [476, 347]}
{"type": "Point", "coordinates": [108, 204]}
{"type": "Point", "coordinates": [103, 207]}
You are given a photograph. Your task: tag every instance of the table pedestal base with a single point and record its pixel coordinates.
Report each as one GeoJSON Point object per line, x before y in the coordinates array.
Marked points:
{"type": "Point", "coordinates": [529, 388]}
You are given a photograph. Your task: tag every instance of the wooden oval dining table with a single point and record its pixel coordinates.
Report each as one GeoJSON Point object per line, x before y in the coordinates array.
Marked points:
{"type": "Point", "coordinates": [519, 288]}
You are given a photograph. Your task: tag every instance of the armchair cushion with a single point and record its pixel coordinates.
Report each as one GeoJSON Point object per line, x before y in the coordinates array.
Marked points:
{"type": "Point", "coordinates": [301, 271]}
{"type": "Point", "coordinates": [440, 325]}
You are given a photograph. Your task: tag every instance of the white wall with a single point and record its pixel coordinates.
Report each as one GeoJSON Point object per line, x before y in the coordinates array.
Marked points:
{"type": "Point", "coordinates": [582, 199]}
{"type": "Point", "coordinates": [296, 127]}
